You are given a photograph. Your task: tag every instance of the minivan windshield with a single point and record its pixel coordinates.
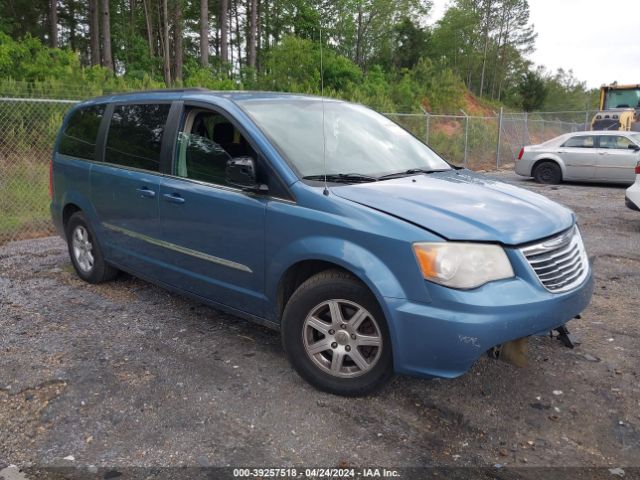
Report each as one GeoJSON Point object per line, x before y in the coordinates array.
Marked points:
{"type": "Point", "coordinates": [361, 145]}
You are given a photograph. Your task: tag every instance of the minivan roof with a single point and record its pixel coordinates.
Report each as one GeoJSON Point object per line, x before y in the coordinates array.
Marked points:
{"type": "Point", "coordinates": [186, 93]}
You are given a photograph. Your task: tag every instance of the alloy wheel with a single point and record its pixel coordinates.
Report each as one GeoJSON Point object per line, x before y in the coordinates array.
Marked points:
{"type": "Point", "coordinates": [82, 249]}
{"type": "Point", "coordinates": [342, 338]}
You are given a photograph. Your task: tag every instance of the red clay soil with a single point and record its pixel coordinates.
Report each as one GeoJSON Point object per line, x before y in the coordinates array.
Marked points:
{"type": "Point", "coordinates": [474, 107]}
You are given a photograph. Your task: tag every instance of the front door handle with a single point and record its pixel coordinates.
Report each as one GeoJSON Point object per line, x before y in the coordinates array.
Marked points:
{"type": "Point", "coordinates": [173, 198]}
{"type": "Point", "coordinates": [145, 192]}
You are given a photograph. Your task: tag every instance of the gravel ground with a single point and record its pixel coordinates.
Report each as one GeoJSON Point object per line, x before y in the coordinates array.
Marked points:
{"type": "Point", "coordinates": [126, 374]}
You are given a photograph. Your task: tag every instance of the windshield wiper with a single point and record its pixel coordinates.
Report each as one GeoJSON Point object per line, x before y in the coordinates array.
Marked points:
{"type": "Point", "coordinates": [342, 178]}
{"type": "Point", "coordinates": [406, 173]}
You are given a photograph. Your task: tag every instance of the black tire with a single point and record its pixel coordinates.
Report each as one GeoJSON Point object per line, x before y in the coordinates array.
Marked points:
{"type": "Point", "coordinates": [96, 270]}
{"type": "Point", "coordinates": [547, 172]}
{"type": "Point", "coordinates": [353, 299]}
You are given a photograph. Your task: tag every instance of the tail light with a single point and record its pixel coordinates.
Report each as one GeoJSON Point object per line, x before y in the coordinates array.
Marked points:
{"type": "Point", "coordinates": [638, 169]}
{"type": "Point", "coordinates": [51, 178]}
{"type": "Point", "coordinates": [521, 153]}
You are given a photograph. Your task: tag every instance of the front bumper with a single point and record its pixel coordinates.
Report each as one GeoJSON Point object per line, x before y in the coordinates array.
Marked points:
{"type": "Point", "coordinates": [445, 338]}
{"type": "Point", "coordinates": [630, 204]}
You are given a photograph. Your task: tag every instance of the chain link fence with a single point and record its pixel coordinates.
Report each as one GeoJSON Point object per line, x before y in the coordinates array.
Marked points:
{"type": "Point", "coordinates": [490, 142]}
{"type": "Point", "coordinates": [28, 127]}
{"type": "Point", "coordinates": [27, 131]}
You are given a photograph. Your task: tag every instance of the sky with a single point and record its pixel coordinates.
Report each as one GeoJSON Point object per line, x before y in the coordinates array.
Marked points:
{"type": "Point", "coordinates": [597, 39]}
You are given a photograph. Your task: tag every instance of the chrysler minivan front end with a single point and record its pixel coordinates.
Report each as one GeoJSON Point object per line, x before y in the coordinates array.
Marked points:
{"type": "Point", "coordinates": [473, 271]}
{"type": "Point", "coordinates": [527, 290]}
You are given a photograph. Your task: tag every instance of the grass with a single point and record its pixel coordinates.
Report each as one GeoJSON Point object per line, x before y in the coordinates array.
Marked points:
{"type": "Point", "coordinates": [24, 199]}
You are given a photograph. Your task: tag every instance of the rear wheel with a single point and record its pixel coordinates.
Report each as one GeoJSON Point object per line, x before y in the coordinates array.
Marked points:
{"type": "Point", "coordinates": [336, 336]}
{"type": "Point", "coordinates": [547, 172]}
{"type": "Point", "coordinates": [85, 252]}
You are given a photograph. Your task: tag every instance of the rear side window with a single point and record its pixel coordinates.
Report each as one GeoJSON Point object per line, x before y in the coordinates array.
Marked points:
{"type": "Point", "coordinates": [135, 135]}
{"type": "Point", "coordinates": [582, 141]}
{"type": "Point", "coordinates": [79, 136]}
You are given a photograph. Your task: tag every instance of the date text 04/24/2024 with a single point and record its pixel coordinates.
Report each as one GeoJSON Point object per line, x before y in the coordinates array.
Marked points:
{"type": "Point", "coordinates": [315, 473]}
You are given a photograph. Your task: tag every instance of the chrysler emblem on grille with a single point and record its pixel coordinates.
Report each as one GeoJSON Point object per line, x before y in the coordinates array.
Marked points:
{"type": "Point", "coordinates": [559, 240]}
{"type": "Point", "coordinates": [560, 263]}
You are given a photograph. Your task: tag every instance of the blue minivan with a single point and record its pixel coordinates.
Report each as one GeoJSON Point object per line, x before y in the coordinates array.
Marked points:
{"type": "Point", "coordinates": [320, 218]}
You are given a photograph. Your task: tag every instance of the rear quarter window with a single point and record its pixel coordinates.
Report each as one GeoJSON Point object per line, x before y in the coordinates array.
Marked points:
{"type": "Point", "coordinates": [135, 135]}
{"type": "Point", "coordinates": [79, 135]}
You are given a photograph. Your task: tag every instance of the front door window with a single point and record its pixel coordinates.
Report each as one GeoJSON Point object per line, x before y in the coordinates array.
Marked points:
{"type": "Point", "coordinates": [207, 141]}
{"type": "Point", "coordinates": [615, 142]}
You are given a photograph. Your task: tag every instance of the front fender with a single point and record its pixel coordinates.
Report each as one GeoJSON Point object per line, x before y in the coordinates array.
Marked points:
{"type": "Point", "coordinates": [362, 263]}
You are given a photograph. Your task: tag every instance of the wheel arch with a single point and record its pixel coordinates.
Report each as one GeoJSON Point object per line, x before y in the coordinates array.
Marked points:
{"type": "Point", "coordinates": [297, 274]}
{"type": "Point", "coordinates": [75, 201]}
{"type": "Point", "coordinates": [68, 210]}
{"type": "Point", "coordinates": [549, 158]}
{"type": "Point", "coordinates": [328, 253]}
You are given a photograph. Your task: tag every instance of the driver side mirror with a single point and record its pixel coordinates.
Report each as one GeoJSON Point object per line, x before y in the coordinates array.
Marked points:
{"type": "Point", "coordinates": [635, 148]}
{"type": "Point", "coordinates": [241, 172]}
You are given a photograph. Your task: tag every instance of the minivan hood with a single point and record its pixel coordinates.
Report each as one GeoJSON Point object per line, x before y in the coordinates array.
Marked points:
{"type": "Point", "coordinates": [462, 205]}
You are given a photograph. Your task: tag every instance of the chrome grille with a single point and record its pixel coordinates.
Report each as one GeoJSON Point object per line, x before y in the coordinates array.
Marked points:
{"type": "Point", "coordinates": [560, 262]}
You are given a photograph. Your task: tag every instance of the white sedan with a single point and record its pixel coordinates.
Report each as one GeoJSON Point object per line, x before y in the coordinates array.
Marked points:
{"type": "Point", "coordinates": [632, 197]}
{"type": "Point", "coordinates": [606, 156]}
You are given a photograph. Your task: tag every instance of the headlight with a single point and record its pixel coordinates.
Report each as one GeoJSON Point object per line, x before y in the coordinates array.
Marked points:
{"type": "Point", "coordinates": [462, 265]}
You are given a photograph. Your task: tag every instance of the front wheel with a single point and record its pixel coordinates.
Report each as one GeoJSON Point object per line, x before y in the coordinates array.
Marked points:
{"type": "Point", "coordinates": [336, 336]}
{"type": "Point", "coordinates": [548, 173]}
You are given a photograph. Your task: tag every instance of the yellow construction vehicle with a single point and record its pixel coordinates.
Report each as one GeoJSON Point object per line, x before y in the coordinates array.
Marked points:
{"type": "Point", "coordinates": [619, 108]}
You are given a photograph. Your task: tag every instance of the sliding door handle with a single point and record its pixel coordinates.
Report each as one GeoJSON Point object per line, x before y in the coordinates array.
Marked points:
{"type": "Point", "coordinates": [173, 198]}
{"type": "Point", "coordinates": [145, 192]}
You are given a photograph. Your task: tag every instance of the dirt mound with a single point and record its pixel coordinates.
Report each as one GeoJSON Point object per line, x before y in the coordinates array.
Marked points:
{"type": "Point", "coordinates": [474, 106]}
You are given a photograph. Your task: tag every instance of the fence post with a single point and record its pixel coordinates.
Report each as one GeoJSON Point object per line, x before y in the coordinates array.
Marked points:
{"type": "Point", "coordinates": [499, 139]}
{"type": "Point", "coordinates": [466, 136]}
{"type": "Point", "coordinates": [427, 118]}
{"type": "Point", "coordinates": [525, 130]}
{"type": "Point", "coordinates": [428, 121]}
{"type": "Point", "coordinates": [586, 121]}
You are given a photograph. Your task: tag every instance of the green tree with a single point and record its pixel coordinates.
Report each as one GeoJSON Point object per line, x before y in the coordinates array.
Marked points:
{"type": "Point", "coordinates": [410, 44]}
{"type": "Point", "coordinates": [455, 39]}
{"type": "Point", "coordinates": [29, 60]}
{"type": "Point", "coordinates": [532, 90]}
{"type": "Point", "coordinates": [485, 41]}
{"type": "Point", "coordinates": [565, 92]}
{"type": "Point", "coordinates": [294, 65]}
